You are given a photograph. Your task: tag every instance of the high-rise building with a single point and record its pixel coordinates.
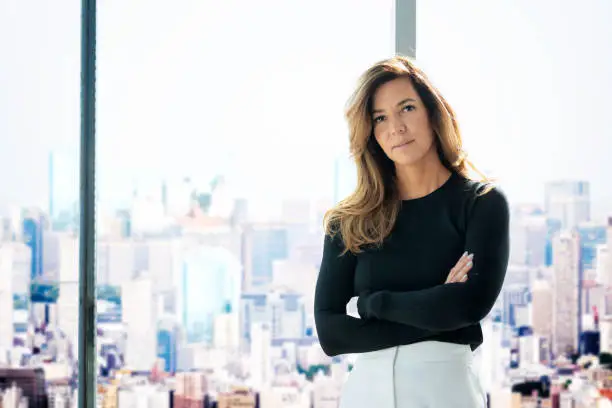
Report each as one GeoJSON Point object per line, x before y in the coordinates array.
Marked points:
{"type": "Point", "coordinates": [542, 308]}
{"type": "Point", "coordinates": [114, 262]}
{"type": "Point", "coordinates": [253, 309]}
{"type": "Point", "coordinates": [591, 236]}
{"type": "Point", "coordinates": [566, 292]}
{"type": "Point", "coordinates": [168, 339]}
{"type": "Point", "coordinates": [288, 315]}
{"type": "Point", "coordinates": [262, 245]}
{"type": "Point", "coordinates": [68, 284]}
{"type": "Point", "coordinates": [6, 298]}
{"type": "Point", "coordinates": [140, 317]}
{"type": "Point", "coordinates": [120, 260]}
{"type": "Point", "coordinates": [164, 259]}
{"type": "Point", "coordinates": [226, 332]}
{"type": "Point", "coordinates": [261, 358]}
{"type": "Point", "coordinates": [284, 312]}
{"type": "Point", "coordinates": [208, 283]}
{"type": "Point", "coordinates": [568, 201]}
{"type": "Point", "coordinates": [528, 234]}
{"type": "Point", "coordinates": [33, 238]}
{"type": "Point", "coordinates": [515, 299]}
{"type": "Point", "coordinates": [602, 271]}
{"type": "Point", "coordinates": [604, 276]}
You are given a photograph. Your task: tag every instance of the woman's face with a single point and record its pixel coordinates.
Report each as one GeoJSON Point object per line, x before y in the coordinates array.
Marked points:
{"type": "Point", "coordinates": [401, 123]}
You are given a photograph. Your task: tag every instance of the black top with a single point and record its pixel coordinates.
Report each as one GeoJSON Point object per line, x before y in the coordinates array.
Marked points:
{"type": "Point", "coordinates": [401, 283]}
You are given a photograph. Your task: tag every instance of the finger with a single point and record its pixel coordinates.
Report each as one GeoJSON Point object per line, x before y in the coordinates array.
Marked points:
{"type": "Point", "coordinates": [463, 272]}
{"type": "Point", "coordinates": [465, 258]}
{"type": "Point", "coordinates": [457, 277]}
{"type": "Point", "coordinates": [451, 275]}
{"type": "Point", "coordinates": [459, 266]}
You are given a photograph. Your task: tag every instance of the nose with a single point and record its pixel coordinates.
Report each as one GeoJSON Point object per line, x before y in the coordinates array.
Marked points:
{"type": "Point", "coordinates": [397, 126]}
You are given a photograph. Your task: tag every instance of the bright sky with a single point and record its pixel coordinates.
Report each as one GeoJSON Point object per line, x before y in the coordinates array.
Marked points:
{"type": "Point", "coordinates": [257, 89]}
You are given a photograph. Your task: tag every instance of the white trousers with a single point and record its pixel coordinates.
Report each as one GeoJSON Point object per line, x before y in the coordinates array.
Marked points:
{"type": "Point", "coordinates": [430, 374]}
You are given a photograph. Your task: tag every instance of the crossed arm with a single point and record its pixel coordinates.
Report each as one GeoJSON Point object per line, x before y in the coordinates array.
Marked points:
{"type": "Point", "coordinates": [456, 305]}
{"type": "Point", "coordinates": [338, 332]}
{"type": "Point", "coordinates": [414, 315]}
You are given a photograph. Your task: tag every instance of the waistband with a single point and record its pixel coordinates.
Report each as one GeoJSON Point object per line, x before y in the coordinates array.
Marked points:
{"type": "Point", "coordinates": [426, 352]}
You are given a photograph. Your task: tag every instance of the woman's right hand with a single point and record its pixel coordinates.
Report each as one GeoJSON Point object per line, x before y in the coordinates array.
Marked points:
{"type": "Point", "coordinates": [459, 273]}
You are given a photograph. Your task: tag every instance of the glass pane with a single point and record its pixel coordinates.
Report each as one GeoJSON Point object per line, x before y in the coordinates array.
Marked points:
{"type": "Point", "coordinates": [39, 231]}
{"type": "Point", "coordinates": [533, 103]}
{"type": "Point", "coordinates": [221, 141]}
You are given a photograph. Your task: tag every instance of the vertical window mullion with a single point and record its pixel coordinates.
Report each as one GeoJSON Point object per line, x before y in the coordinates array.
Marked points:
{"type": "Point", "coordinates": [87, 306]}
{"type": "Point", "coordinates": [404, 31]}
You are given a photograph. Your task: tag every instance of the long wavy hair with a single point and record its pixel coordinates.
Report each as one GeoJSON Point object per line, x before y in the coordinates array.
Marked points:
{"type": "Point", "coordinates": [367, 216]}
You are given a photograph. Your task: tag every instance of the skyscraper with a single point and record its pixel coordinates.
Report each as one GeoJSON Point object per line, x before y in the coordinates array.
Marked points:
{"type": "Point", "coordinates": [33, 238]}
{"type": "Point", "coordinates": [566, 292]}
{"type": "Point", "coordinates": [140, 316]}
{"type": "Point", "coordinates": [6, 298]}
{"type": "Point", "coordinates": [591, 236]}
{"type": "Point", "coordinates": [541, 308]}
{"type": "Point", "coordinates": [568, 202]}
{"type": "Point", "coordinates": [209, 282]}
{"type": "Point", "coordinates": [604, 276]}
{"type": "Point", "coordinates": [261, 359]}
{"type": "Point", "coordinates": [262, 245]}
{"type": "Point", "coordinates": [528, 233]}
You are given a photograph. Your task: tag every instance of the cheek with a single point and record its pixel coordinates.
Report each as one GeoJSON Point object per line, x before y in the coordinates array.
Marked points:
{"type": "Point", "coordinates": [381, 140]}
{"type": "Point", "coordinates": [427, 139]}
{"type": "Point", "coordinates": [425, 136]}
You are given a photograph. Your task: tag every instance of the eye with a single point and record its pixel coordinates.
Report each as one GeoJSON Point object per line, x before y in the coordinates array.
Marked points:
{"type": "Point", "coordinates": [408, 108]}
{"type": "Point", "coordinates": [378, 119]}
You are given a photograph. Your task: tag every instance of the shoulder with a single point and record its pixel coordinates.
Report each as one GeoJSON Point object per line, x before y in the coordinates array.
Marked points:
{"type": "Point", "coordinates": [333, 235]}
{"type": "Point", "coordinates": [484, 197]}
{"type": "Point", "coordinates": [482, 191]}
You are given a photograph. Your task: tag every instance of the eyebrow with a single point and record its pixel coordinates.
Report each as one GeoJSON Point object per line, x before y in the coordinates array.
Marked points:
{"type": "Point", "coordinates": [398, 104]}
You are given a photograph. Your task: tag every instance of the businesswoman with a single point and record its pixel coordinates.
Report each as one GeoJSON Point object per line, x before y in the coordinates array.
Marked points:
{"type": "Point", "coordinates": [422, 241]}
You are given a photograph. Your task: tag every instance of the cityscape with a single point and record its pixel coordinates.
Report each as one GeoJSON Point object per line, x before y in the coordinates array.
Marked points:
{"type": "Point", "coordinates": [199, 305]}
{"type": "Point", "coordinates": [217, 158]}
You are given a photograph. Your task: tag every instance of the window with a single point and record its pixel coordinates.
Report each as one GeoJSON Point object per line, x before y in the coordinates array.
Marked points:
{"type": "Point", "coordinates": [39, 203]}
{"type": "Point", "coordinates": [220, 142]}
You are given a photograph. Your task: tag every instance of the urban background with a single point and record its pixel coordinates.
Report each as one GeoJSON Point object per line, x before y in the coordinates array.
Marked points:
{"type": "Point", "coordinates": [221, 143]}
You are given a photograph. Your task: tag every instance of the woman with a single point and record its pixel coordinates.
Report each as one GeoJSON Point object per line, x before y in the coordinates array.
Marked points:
{"type": "Point", "coordinates": [421, 242]}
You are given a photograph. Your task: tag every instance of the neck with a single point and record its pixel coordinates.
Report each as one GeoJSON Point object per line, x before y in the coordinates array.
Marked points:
{"type": "Point", "coordinates": [422, 178]}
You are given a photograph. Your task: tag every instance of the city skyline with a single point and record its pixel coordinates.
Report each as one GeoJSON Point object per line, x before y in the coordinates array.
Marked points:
{"type": "Point", "coordinates": [221, 143]}
{"type": "Point", "coordinates": [142, 281]}
{"type": "Point", "coordinates": [535, 140]}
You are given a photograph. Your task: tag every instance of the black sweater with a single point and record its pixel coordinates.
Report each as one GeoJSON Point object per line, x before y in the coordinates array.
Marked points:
{"type": "Point", "coordinates": [401, 283]}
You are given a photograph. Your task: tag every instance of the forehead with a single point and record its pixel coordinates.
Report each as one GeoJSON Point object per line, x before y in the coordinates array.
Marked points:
{"type": "Point", "coordinates": [392, 92]}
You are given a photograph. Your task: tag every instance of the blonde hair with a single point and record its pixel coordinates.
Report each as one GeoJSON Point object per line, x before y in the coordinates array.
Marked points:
{"type": "Point", "coordinates": [368, 215]}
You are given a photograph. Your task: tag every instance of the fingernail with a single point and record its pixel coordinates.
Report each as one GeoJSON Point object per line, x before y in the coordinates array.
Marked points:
{"type": "Point", "coordinates": [471, 256]}
{"type": "Point", "coordinates": [464, 254]}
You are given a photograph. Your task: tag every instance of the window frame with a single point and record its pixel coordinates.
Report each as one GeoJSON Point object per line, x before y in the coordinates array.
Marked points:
{"type": "Point", "coordinates": [404, 28]}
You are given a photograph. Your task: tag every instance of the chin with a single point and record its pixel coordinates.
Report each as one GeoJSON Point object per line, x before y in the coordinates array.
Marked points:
{"type": "Point", "coordinates": [405, 160]}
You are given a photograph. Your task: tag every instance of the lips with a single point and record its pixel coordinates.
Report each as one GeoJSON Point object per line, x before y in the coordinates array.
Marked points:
{"type": "Point", "coordinates": [403, 144]}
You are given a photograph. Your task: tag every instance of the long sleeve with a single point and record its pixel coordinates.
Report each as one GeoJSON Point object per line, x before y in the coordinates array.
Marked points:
{"type": "Point", "coordinates": [456, 305]}
{"type": "Point", "coordinates": [338, 332]}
